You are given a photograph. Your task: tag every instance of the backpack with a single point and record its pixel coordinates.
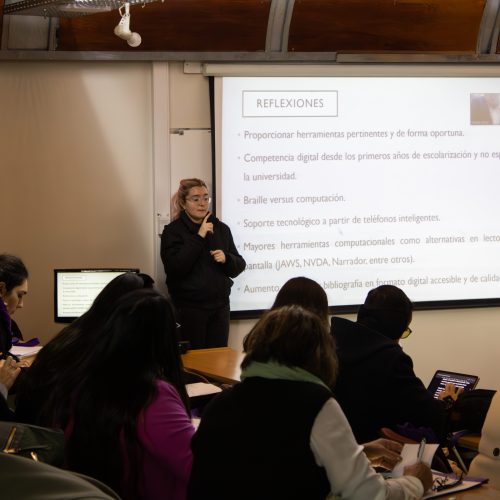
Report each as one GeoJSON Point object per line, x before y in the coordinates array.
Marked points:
{"type": "Point", "coordinates": [469, 410]}
{"type": "Point", "coordinates": [30, 441]}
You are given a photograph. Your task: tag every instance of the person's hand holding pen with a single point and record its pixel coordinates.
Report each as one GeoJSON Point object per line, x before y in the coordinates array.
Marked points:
{"type": "Point", "coordinates": [420, 470]}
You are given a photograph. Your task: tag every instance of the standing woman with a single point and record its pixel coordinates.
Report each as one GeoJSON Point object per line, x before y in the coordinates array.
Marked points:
{"type": "Point", "coordinates": [13, 288]}
{"type": "Point", "coordinates": [200, 258]}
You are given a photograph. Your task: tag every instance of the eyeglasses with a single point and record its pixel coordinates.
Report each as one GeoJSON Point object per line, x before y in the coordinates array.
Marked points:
{"type": "Point", "coordinates": [406, 333]}
{"type": "Point", "coordinates": [197, 199]}
{"type": "Point", "coordinates": [446, 482]}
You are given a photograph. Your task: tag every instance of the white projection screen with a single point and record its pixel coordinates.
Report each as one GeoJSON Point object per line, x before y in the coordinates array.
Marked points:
{"type": "Point", "coordinates": [356, 181]}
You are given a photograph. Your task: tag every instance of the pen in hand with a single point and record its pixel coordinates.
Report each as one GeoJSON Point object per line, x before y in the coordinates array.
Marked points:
{"type": "Point", "coordinates": [421, 449]}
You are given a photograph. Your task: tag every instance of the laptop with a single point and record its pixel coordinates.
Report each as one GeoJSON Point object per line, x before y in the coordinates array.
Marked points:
{"type": "Point", "coordinates": [443, 377]}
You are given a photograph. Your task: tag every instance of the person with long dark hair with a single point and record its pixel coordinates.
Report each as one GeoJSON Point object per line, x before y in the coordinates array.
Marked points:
{"type": "Point", "coordinates": [200, 258]}
{"type": "Point", "coordinates": [46, 390]}
{"type": "Point", "coordinates": [13, 288]}
{"type": "Point", "coordinates": [129, 424]}
{"type": "Point", "coordinates": [280, 434]}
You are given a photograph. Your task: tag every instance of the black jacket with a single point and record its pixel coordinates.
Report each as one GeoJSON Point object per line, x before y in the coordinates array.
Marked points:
{"type": "Point", "coordinates": [193, 276]}
{"type": "Point", "coordinates": [254, 443]}
{"type": "Point", "coordinates": [377, 386]}
{"type": "Point", "coordinates": [5, 412]}
{"type": "Point", "coordinates": [5, 331]}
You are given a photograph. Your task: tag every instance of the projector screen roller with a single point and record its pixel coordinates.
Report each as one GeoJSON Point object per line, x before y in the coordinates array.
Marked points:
{"type": "Point", "coordinates": [361, 181]}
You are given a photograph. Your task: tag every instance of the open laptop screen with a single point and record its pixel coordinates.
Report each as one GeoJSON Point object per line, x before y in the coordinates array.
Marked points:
{"type": "Point", "coordinates": [460, 380]}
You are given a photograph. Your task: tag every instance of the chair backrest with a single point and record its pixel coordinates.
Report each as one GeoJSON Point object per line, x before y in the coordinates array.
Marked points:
{"type": "Point", "coordinates": [23, 478]}
{"type": "Point", "coordinates": [193, 377]}
{"type": "Point", "coordinates": [487, 461]}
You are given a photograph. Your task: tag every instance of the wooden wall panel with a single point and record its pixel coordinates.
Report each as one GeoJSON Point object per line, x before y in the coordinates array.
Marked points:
{"type": "Point", "coordinates": [385, 25]}
{"type": "Point", "coordinates": [175, 25]}
{"type": "Point", "coordinates": [2, 2]}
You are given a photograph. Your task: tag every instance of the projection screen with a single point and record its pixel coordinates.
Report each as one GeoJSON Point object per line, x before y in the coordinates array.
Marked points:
{"type": "Point", "coordinates": [356, 181]}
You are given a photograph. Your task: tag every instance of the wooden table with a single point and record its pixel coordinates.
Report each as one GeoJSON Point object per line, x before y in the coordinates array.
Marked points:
{"type": "Point", "coordinates": [483, 492]}
{"type": "Point", "coordinates": [221, 364]}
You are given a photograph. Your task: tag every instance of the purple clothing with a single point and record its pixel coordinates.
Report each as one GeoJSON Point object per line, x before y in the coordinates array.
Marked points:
{"type": "Point", "coordinates": [165, 430]}
{"type": "Point", "coordinates": [5, 330]}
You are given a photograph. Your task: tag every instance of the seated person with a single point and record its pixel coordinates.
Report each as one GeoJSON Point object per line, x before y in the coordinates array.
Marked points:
{"type": "Point", "coordinates": [310, 295]}
{"type": "Point", "coordinates": [13, 288]}
{"type": "Point", "coordinates": [9, 371]}
{"type": "Point", "coordinates": [46, 391]}
{"type": "Point", "coordinates": [279, 434]}
{"type": "Point", "coordinates": [79, 367]}
{"type": "Point", "coordinates": [304, 292]}
{"type": "Point", "coordinates": [376, 377]}
{"type": "Point", "coordinates": [129, 425]}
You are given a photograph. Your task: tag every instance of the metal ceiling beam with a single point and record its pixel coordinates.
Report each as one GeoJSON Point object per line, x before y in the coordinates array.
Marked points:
{"type": "Point", "coordinates": [248, 57]}
{"type": "Point", "coordinates": [242, 57]}
{"type": "Point", "coordinates": [280, 15]}
{"type": "Point", "coordinates": [489, 29]}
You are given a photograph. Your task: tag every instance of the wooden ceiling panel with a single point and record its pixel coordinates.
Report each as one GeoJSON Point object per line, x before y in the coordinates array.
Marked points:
{"type": "Point", "coordinates": [175, 25]}
{"type": "Point", "coordinates": [385, 25]}
{"type": "Point", "coordinates": [1, 18]}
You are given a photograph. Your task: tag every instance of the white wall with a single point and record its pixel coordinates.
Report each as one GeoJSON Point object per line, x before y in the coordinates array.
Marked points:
{"type": "Point", "coordinates": [76, 173]}
{"type": "Point", "coordinates": [77, 190]}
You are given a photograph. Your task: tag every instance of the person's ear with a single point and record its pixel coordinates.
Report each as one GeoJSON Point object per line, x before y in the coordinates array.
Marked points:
{"type": "Point", "coordinates": [3, 288]}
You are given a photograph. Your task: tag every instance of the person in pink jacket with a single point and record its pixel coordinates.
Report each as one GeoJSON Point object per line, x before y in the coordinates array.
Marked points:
{"type": "Point", "coordinates": [130, 426]}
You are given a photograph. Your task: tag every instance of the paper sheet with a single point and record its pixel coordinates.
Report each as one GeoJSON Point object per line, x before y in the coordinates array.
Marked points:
{"type": "Point", "coordinates": [24, 351]}
{"type": "Point", "coordinates": [409, 457]}
{"type": "Point", "coordinates": [201, 389]}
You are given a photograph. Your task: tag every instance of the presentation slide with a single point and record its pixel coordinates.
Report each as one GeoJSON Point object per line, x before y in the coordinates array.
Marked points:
{"type": "Point", "coordinates": [361, 181]}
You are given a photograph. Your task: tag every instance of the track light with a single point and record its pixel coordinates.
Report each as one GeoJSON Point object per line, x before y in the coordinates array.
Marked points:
{"type": "Point", "coordinates": [122, 29]}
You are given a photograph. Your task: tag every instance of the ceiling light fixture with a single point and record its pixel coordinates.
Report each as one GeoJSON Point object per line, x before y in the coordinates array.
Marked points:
{"type": "Point", "coordinates": [122, 29]}
{"type": "Point", "coordinates": [65, 8]}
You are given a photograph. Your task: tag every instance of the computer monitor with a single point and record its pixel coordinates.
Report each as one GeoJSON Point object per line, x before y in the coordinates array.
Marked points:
{"type": "Point", "coordinates": [76, 289]}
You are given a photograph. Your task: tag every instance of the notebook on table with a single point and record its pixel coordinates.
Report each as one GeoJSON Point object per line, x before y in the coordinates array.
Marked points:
{"type": "Point", "coordinates": [443, 377]}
